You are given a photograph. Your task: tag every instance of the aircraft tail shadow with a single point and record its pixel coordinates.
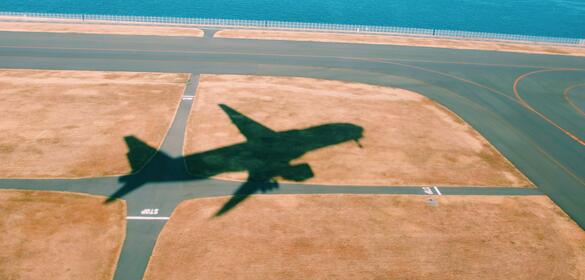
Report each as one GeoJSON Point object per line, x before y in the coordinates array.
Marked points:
{"type": "Point", "coordinates": [146, 164]}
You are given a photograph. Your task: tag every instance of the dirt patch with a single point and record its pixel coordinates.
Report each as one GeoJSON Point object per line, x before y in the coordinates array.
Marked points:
{"type": "Point", "coordinates": [407, 138]}
{"type": "Point", "coordinates": [370, 237]}
{"type": "Point", "coordinates": [57, 235]}
{"type": "Point", "coordinates": [115, 29]}
{"type": "Point", "coordinates": [467, 44]}
{"type": "Point", "coordinates": [73, 123]}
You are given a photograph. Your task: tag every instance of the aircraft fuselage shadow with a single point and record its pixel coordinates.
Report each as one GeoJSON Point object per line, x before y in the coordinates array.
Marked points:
{"type": "Point", "coordinates": [265, 155]}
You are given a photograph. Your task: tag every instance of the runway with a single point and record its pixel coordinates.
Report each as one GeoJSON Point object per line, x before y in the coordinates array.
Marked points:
{"type": "Point", "coordinates": [516, 101]}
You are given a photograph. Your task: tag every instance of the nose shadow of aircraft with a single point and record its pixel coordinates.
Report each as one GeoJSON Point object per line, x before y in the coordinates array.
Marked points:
{"type": "Point", "coordinates": [265, 155]}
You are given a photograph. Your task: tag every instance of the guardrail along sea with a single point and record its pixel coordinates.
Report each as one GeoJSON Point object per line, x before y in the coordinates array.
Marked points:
{"type": "Point", "coordinates": [552, 18]}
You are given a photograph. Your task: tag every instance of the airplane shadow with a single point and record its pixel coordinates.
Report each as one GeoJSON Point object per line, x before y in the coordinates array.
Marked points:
{"type": "Point", "coordinates": [265, 155]}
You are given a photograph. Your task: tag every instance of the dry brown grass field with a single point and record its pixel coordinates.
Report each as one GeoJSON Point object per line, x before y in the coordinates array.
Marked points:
{"type": "Point", "coordinates": [100, 28]}
{"type": "Point", "coordinates": [370, 237]}
{"type": "Point", "coordinates": [73, 123]}
{"type": "Point", "coordinates": [56, 235]}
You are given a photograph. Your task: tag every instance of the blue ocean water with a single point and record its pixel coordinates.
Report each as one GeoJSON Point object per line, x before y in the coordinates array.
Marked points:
{"type": "Point", "coordinates": [555, 18]}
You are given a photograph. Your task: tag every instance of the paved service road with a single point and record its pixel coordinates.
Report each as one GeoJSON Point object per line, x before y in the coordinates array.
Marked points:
{"type": "Point", "coordinates": [515, 100]}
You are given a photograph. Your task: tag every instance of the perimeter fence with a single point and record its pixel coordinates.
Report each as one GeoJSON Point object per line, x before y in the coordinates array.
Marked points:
{"type": "Point", "coordinates": [298, 26]}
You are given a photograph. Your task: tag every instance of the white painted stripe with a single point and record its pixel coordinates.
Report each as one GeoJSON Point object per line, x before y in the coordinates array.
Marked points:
{"type": "Point", "coordinates": [437, 190]}
{"type": "Point", "coordinates": [146, 218]}
{"type": "Point", "coordinates": [427, 190]}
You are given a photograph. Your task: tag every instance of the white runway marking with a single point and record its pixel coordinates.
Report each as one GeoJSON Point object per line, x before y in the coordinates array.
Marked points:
{"type": "Point", "coordinates": [437, 190]}
{"type": "Point", "coordinates": [427, 190]}
{"type": "Point", "coordinates": [146, 218]}
{"type": "Point", "coordinates": [188, 97]}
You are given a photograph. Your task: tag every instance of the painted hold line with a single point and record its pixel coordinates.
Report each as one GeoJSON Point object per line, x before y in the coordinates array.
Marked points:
{"type": "Point", "coordinates": [146, 218]}
{"type": "Point", "coordinates": [429, 191]}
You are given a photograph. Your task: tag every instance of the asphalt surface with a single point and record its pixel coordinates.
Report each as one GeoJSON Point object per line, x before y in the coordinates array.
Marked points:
{"type": "Point", "coordinates": [525, 105]}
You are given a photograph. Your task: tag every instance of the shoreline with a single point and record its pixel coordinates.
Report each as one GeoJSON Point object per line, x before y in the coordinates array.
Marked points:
{"type": "Point", "coordinates": [233, 31]}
